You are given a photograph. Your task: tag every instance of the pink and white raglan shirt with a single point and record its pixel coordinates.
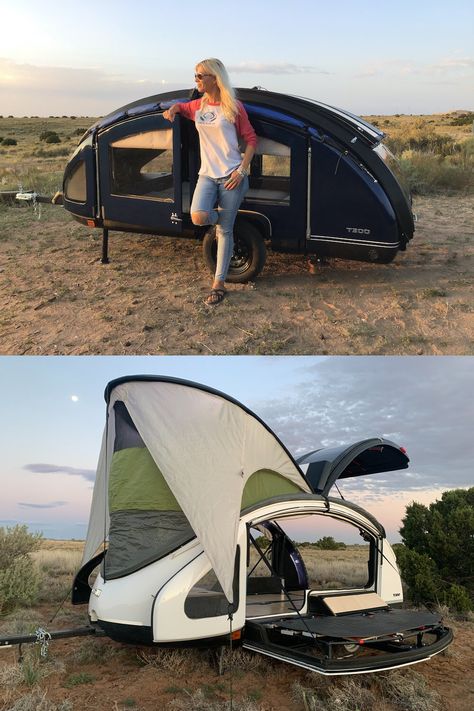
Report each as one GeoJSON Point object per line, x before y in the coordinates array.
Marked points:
{"type": "Point", "coordinates": [218, 137]}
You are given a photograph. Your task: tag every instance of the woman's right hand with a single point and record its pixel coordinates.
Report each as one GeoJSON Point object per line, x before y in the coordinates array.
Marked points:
{"type": "Point", "coordinates": [170, 113]}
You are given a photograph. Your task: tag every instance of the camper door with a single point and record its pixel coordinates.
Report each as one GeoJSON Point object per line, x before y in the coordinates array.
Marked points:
{"type": "Point", "coordinates": [140, 174]}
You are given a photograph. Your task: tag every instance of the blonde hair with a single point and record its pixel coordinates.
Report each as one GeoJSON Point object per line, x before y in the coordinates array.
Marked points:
{"type": "Point", "coordinates": [229, 105]}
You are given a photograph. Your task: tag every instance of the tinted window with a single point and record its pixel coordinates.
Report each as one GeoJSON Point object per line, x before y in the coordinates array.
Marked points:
{"type": "Point", "coordinates": [142, 165]}
{"type": "Point", "coordinates": [270, 173]}
{"type": "Point", "coordinates": [75, 183]}
{"type": "Point", "coordinates": [207, 599]}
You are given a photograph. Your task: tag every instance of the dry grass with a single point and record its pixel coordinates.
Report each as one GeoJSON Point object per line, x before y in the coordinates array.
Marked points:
{"type": "Point", "coordinates": [199, 701]}
{"type": "Point", "coordinates": [57, 562]}
{"type": "Point", "coordinates": [38, 701]}
{"type": "Point", "coordinates": [406, 689]}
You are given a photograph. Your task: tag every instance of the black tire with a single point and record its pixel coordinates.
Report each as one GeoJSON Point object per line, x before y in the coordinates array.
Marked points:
{"type": "Point", "coordinates": [249, 254]}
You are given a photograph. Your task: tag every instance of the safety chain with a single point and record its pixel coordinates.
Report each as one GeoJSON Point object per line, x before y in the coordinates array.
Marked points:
{"type": "Point", "coordinates": [43, 638]}
{"type": "Point", "coordinates": [35, 204]}
{"type": "Point", "coordinates": [36, 207]}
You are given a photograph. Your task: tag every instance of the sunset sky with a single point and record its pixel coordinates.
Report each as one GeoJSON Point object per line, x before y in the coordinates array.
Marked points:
{"type": "Point", "coordinates": [53, 414]}
{"type": "Point", "coordinates": [89, 58]}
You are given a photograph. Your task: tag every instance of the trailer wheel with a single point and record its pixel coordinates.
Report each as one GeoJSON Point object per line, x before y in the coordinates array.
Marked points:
{"type": "Point", "coordinates": [248, 258]}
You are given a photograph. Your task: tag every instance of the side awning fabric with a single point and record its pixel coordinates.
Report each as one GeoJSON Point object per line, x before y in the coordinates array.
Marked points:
{"type": "Point", "coordinates": [206, 448]}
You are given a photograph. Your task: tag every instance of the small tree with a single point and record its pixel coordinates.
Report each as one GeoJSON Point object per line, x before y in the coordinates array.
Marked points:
{"type": "Point", "coordinates": [18, 577]}
{"type": "Point", "coordinates": [438, 560]}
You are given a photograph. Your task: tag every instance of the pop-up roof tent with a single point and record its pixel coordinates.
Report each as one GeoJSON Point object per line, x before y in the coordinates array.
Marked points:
{"type": "Point", "coordinates": [179, 460]}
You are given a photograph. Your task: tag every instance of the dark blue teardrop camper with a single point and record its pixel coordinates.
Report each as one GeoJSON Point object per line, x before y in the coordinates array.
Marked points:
{"type": "Point", "coordinates": [322, 182]}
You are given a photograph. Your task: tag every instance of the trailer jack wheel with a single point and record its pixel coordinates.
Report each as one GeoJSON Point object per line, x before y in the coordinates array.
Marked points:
{"type": "Point", "coordinates": [249, 254]}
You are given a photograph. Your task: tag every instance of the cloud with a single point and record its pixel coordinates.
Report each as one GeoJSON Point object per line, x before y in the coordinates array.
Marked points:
{"type": "Point", "coordinates": [32, 89]}
{"type": "Point", "coordinates": [88, 474]}
{"type": "Point", "coordinates": [407, 68]}
{"type": "Point", "coordinates": [420, 404]}
{"type": "Point", "coordinates": [50, 505]}
{"type": "Point", "coordinates": [454, 63]}
{"type": "Point", "coordinates": [279, 68]}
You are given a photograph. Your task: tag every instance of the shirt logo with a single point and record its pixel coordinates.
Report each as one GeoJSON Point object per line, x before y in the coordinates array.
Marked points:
{"type": "Point", "coordinates": [208, 117]}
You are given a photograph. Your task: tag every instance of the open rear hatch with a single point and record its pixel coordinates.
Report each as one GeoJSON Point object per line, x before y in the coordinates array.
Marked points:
{"type": "Point", "coordinates": [323, 467]}
{"type": "Point", "coordinates": [349, 634]}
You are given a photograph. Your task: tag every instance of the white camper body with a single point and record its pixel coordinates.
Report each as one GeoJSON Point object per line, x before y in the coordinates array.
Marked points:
{"type": "Point", "coordinates": [163, 580]}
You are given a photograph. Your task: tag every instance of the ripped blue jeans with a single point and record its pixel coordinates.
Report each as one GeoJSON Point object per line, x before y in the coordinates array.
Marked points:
{"type": "Point", "coordinates": [209, 191]}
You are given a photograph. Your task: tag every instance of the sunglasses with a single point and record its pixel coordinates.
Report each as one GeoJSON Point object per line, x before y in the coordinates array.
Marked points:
{"type": "Point", "coordinates": [200, 76]}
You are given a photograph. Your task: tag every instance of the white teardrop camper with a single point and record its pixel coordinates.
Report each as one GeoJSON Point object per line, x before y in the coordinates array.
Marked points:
{"type": "Point", "coordinates": [193, 520]}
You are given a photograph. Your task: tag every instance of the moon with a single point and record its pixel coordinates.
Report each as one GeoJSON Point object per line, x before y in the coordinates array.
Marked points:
{"type": "Point", "coordinates": [74, 398]}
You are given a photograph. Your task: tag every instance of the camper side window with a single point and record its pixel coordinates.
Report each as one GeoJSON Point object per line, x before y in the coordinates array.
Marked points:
{"type": "Point", "coordinates": [206, 598]}
{"type": "Point", "coordinates": [75, 187]}
{"type": "Point", "coordinates": [270, 173]}
{"type": "Point", "coordinates": [141, 165]}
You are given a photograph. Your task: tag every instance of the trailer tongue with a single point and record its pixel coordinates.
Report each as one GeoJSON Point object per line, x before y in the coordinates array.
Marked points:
{"type": "Point", "coordinates": [43, 637]}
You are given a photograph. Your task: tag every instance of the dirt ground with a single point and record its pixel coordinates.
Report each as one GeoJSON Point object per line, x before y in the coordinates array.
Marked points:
{"type": "Point", "coordinates": [57, 298]}
{"type": "Point", "coordinates": [87, 671]}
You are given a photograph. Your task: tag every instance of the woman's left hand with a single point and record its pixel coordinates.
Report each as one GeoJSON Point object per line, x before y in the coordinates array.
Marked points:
{"type": "Point", "coordinates": [233, 180]}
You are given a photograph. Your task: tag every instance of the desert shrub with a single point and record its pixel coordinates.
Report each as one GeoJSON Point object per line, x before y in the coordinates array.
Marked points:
{"type": "Point", "coordinates": [199, 701]}
{"type": "Point", "coordinates": [420, 137]}
{"type": "Point", "coordinates": [18, 577]}
{"type": "Point", "coordinates": [78, 679]}
{"type": "Point", "coordinates": [408, 690]}
{"type": "Point", "coordinates": [344, 694]}
{"type": "Point", "coordinates": [93, 650]}
{"type": "Point", "coordinates": [9, 142]}
{"type": "Point", "coordinates": [53, 138]}
{"type": "Point", "coordinates": [426, 173]}
{"type": "Point", "coordinates": [10, 676]}
{"type": "Point", "coordinates": [52, 153]}
{"type": "Point", "coordinates": [438, 558]}
{"type": "Point", "coordinates": [172, 660]}
{"type": "Point", "coordinates": [463, 119]}
{"type": "Point", "coordinates": [45, 134]}
{"type": "Point", "coordinates": [223, 660]}
{"type": "Point", "coordinates": [327, 543]}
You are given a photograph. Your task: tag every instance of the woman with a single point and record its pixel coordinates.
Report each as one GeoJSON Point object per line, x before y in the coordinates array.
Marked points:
{"type": "Point", "coordinates": [223, 177]}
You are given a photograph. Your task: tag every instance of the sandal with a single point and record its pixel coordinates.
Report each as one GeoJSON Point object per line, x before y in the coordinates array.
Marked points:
{"type": "Point", "coordinates": [215, 297]}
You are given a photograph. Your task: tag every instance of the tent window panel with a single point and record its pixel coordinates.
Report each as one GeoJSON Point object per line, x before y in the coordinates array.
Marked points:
{"type": "Point", "coordinates": [141, 165]}
{"type": "Point", "coordinates": [206, 598]}
{"type": "Point", "coordinates": [135, 482]}
{"type": "Point", "coordinates": [138, 538]}
{"type": "Point", "coordinates": [264, 484]}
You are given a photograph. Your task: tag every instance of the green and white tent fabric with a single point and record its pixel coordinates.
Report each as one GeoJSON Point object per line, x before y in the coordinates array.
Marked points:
{"type": "Point", "coordinates": [179, 460]}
